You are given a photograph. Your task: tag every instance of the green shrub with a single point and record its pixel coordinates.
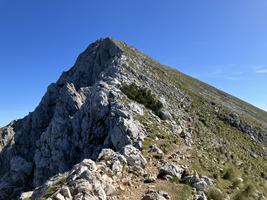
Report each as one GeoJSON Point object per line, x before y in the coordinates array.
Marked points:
{"type": "Point", "coordinates": [214, 194]}
{"type": "Point", "coordinates": [230, 174]}
{"type": "Point", "coordinates": [143, 96]}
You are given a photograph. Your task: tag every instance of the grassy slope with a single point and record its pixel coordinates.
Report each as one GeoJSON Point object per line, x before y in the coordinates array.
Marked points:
{"type": "Point", "coordinates": [219, 148]}
{"type": "Point", "coordinates": [206, 91]}
{"type": "Point", "coordinates": [234, 151]}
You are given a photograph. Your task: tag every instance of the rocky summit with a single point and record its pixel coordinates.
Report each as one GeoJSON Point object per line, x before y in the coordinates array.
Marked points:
{"type": "Point", "coordinates": [119, 125]}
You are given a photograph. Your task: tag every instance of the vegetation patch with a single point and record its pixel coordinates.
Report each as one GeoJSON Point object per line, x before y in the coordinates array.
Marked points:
{"type": "Point", "coordinates": [51, 190]}
{"type": "Point", "coordinates": [143, 96]}
{"type": "Point", "coordinates": [246, 193]}
{"type": "Point", "coordinates": [230, 174]}
{"type": "Point", "coordinates": [214, 194]}
{"type": "Point", "coordinates": [175, 190]}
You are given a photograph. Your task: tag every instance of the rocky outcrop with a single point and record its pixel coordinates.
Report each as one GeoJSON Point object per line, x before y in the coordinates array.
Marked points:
{"type": "Point", "coordinates": [79, 116]}
{"type": "Point", "coordinates": [115, 161]}
{"type": "Point", "coordinates": [169, 171]}
{"type": "Point", "coordinates": [253, 132]}
{"type": "Point", "coordinates": [86, 180]}
{"type": "Point", "coordinates": [200, 183]}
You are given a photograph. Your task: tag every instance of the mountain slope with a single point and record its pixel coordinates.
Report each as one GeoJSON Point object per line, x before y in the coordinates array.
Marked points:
{"type": "Point", "coordinates": [138, 120]}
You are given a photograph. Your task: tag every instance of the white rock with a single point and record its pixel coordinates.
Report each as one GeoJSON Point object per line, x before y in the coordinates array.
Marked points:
{"type": "Point", "coordinates": [171, 170]}
{"type": "Point", "coordinates": [26, 195]}
{"type": "Point", "coordinates": [59, 197]}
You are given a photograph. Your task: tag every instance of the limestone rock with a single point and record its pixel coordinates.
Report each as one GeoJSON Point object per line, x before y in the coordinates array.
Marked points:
{"type": "Point", "coordinates": [133, 156]}
{"type": "Point", "coordinates": [86, 180]}
{"type": "Point", "coordinates": [115, 161]}
{"type": "Point", "coordinates": [26, 195]}
{"type": "Point", "coordinates": [200, 183]}
{"type": "Point", "coordinates": [171, 170]}
{"type": "Point", "coordinates": [59, 197]}
{"type": "Point", "coordinates": [156, 195]}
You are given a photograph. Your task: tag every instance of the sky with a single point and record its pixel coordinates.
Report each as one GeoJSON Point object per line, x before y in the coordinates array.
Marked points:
{"type": "Point", "coordinates": [221, 42]}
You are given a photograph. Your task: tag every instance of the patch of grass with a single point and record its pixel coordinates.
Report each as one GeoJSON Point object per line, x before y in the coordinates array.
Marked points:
{"type": "Point", "coordinates": [176, 191]}
{"type": "Point", "coordinates": [225, 151]}
{"type": "Point", "coordinates": [185, 193]}
{"type": "Point", "coordinates": [214, 194]}
{"type": "Point", "coordinates": [175, 179]}
{"type": "Point", "coordinates": [246, 193]}
{"type": "Point", "coordinates": [166, 141]}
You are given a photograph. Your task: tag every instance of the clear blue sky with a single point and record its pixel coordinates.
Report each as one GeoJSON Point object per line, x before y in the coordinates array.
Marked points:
{"type": "Point", "coordinates": [222, 42]}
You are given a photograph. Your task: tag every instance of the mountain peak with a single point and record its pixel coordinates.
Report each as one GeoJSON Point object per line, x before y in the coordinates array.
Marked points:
{"type": "Point", "coordinates": [117, 114]}
{"type": "Point", "coordinates": [107, 46]}
{"type": "Point", "coordinates": [92, 62]}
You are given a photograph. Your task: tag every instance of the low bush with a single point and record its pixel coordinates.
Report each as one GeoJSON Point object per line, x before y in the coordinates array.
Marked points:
{"type": "Point", "coordinates": [214, 194]}
{"type": "Point", "coordinates": [143, 96]}
{"type": "Point", "coordinates": [230, 174]}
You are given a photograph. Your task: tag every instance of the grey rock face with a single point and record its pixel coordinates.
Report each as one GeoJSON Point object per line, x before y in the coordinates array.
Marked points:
{"type": "Point", "coordinates": [81, 114]}
{"type": "Point", "coordinates": [85, 117]}
{"type": "Point", "coordinates": [6, 136]}
{"type": "Point", "coordinates": [18, 164]}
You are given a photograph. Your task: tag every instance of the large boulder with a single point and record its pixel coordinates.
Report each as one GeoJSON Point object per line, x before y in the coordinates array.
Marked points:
{"type": "Point", "coordinates": [133, 156]}
{"type": "Point", "coordinates": [170, 171]}
{"type": "Point", "coordinates": [135, 160]}
{"type": "Point", "coordinates": [200, 183]}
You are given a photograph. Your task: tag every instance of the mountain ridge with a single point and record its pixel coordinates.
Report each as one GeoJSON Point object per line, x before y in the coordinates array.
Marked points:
{"type": "Point", "coordinates": [89, 113]}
